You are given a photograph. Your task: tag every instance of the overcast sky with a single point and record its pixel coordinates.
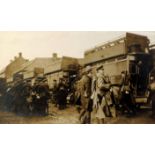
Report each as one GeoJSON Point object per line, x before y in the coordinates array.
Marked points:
{"type": "Point", "coordinates": [43, 44]}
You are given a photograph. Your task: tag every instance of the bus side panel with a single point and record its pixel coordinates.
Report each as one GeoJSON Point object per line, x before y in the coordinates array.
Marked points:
{"type": "Point", "coordinates": [114, 69]}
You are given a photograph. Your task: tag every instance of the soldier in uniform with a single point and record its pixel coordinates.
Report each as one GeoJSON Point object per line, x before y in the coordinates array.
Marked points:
{"type": "Point", "coordinates": [2, 93]}
{"type": "Point", "coordinates": [126, 95]}
{"type": "Point", "coordinates": [40, 97]}
{"type": "Point", "coordinates": [77, 87]}
{"type": "Point", "coordinates": [54, 92]}
{"type": "Point", "coordinates": [35, 97]}
{"type": "Point", "coordinates": [86, 104]}
{"type": "Point", "coordinates": [102, 97]}
{"type": "Point", "coordinates": [27, 97]}
{"type": "Point", "coordinates": [62, 94]}
{"type": "Point", "coordinates": [47, 96]}
{"type": "Point", "coordinates": [8, 98]}
{"type": "Point", "coordinates": [18, 95]}
{"type": "Point", "coordinates": [152, 91]}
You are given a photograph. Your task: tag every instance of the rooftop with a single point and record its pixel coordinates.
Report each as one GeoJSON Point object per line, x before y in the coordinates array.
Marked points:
{"type": "Point", "coordinates": [112, 42]}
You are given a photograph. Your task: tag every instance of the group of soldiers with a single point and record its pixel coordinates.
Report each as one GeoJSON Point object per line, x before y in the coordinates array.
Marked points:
{"type": "Point", "coordinates": [91, 92]}
{"type": "Point", "coordinates": [32, 99]}
{"type": "Point", "coordinates": [24, 99]}
{"type": "Point", "coordinates": [94, 92]}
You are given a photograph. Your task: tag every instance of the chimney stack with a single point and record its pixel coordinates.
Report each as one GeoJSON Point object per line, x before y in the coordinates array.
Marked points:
{"type": "Point", "coordinates": [55, 56]}
{"type": "Point", "coordinates": [20, 54]}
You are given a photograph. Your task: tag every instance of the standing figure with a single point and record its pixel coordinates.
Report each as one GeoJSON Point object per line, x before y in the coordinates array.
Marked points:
{"type": "Point", "coordinates": [62, 94]}
{"type": "Point", "coordinates": [18, 96]}
{"type": "Point", "coordinates": [152, 91]}
{"type": "Point", "coordinates": [54, 90]}
{"type": "Point", "coordinates": [86, 104]}
{"type": "Point", "coordinates": [41, 96]}
{"type": "Point", "coordinates": [8, 98]}
{"type": "Point", "coordinates": [35, 97]}
{"type": "Point", "coordinates": [27, 90]}
{"type": "Point", "coordinates": [3, 89]}
{"type": "Point", "coordinates": [103, 99]}
{"type": "Point", "coordinates": [78, 94]}
{"type": "Point", "coordinates": [126, 99]}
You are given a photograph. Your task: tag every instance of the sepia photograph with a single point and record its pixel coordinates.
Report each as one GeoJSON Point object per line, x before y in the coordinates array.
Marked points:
{"type": "Point", "coordinates": [77, 77]}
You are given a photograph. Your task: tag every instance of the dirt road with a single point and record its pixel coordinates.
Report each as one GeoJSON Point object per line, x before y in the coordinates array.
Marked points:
{"type": "Point", "coordinates": [70, 116]}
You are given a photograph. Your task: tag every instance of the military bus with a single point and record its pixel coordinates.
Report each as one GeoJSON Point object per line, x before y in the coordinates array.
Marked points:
{"type": "Point", "coordinates": [129, 53]}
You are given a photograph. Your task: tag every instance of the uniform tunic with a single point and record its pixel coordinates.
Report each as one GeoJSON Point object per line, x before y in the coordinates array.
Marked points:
{"type": "Point", "coordinates": [103, 97]}
{"type": "Point", "coordinates": [86, 106]}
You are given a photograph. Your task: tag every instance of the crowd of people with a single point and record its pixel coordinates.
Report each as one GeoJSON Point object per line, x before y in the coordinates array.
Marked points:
{"type": "Point", "coordinates": [90, 92]}
{"type": "Point", "coordinates": [22, 98]}
{"type": "Point", "coordinates": [96, 93]}
{"type": "Point", "coordinates": [32, 99]}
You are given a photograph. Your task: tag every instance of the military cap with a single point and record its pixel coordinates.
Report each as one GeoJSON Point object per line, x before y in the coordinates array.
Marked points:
{"type": "Point", "coordinates": [18, 76]}
{"type": "Point", "coordinates": [44, 80]}
{"type": "Point", "coordinates": [28, 80]}
{"type": "Point", "coordinates": [88, 69]}
{"type": "Point", "coordinates": [39, 78]}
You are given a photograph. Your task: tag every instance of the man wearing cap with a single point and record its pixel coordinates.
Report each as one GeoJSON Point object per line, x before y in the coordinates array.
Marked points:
{"type": "Point", "coordinates": [86, 108]}
{"type": "Point", "coordinates": [18, 95]}
{"type": "Point", "coordinates": [46, 98]}
{"type": "Point", "coordinates": [35, 96]}
{"type": "Point", "coordinates": [151, 98]}
{"type": "Point", "coordinates": [103, 99]}
{"type": "Point", "coordinates": [27, 89]}
{"type": "Point", "coordinates": [54, 90]}
{"type": "Point", "coordinates": [40, 97]}
{"type": "Point", "coordinates": [126, 100]}
{"type": "Point", "coordinates": [62, 93]}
